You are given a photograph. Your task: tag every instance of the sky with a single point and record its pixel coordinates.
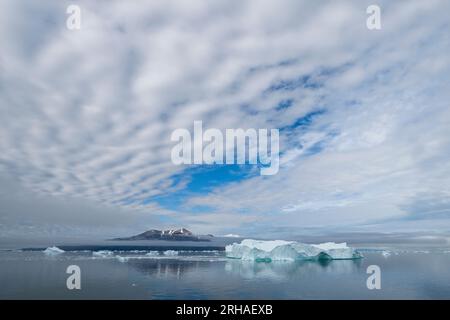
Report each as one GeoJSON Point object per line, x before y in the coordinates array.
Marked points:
{"type": "Point", "coordinates": [86, 116]}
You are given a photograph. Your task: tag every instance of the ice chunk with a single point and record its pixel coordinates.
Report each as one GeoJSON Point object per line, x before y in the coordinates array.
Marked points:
{"type": "Point", "coordinates": [258, 250]}
{"type": "Point", "coordinates": [122, 259]}
{"type": "Point", "coordinates": [152, 253]}
{"type": "Point", "coordinates": [102, 253]}
{"type": "Point", "coordinates": [51, 251]}
{"type": "Point", "coordinates": [170, 253]}
{"type": "Point", "coordinates": [386, 253]}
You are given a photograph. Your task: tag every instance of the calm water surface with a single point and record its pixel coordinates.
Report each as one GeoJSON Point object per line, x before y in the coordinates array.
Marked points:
{"type": "Point", "coordinates": [198, 274]}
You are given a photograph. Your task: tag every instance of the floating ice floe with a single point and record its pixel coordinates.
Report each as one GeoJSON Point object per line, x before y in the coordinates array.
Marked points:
{"type": "Point", "coordinates": [386, 253]}
{"type": "Point", "coordinates": [122, 259]}
{"type": "Point", "coordinates": [102, 253]}
{"type": "Point", "coordinates": [170, 253]}
{"type": "Point", "coordinates": [152, 253]}
{"type": "Point", "coordinates": [274, 250]}
{"type": "Point", "coordinates": [53, 251]}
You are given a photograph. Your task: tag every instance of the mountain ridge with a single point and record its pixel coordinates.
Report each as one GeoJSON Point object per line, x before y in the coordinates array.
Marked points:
{"type": "Point", "coordinates": [181, 234]}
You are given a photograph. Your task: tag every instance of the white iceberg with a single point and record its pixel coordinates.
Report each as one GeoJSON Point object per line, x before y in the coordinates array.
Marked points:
{"type": "Point", "coordinates": [51, 251]}
{"type": "Point", "coordinates": [278, 250]}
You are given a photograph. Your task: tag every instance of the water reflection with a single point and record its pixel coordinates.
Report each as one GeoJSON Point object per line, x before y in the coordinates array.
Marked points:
{"type": "Point", "coordinates": [275, 270]}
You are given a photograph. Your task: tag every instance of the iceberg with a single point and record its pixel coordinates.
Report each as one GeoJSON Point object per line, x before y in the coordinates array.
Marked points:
{"type": "Point", "coordinates": [51, 251]}
{"type": "Point", "coordinates": [279, 250]}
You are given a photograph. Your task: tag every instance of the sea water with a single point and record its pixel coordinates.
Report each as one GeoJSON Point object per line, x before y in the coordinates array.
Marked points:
{"type": "Point", "coordinates": [202, 271]}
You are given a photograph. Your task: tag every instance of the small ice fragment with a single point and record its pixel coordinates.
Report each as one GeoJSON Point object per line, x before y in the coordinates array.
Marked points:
{"type": "Point", "coordinates": [386, 253]}
{"type": "Point", "coordinates": [102, 253]}
{"type": "Point", "coordinates": [170, 253]}
{"type": "Point", "coordinates": [51, 251]}
{"type": "Point", "coordinates": [122, 259]}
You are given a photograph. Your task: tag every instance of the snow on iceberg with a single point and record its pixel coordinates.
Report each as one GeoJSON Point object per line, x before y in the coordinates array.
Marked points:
{"type": "Point", "coordinates": [51, 251]}
{"type": "Point", "coordinates": [273, 250]}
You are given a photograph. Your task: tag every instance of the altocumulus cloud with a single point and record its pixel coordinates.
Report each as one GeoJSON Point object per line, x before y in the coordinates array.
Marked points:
{"type": "Point", "coordinates": [86, 116]}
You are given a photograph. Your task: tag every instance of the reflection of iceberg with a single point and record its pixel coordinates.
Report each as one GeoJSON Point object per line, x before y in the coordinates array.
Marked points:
{"type": "Point", "coordinates": [268, 251]}
{"type": "Point", "coordinates": [51, 251]}
{"type": "Point", "coordinates": [252, 270]}
{"type": "Point", "coordinates": [285, 270]}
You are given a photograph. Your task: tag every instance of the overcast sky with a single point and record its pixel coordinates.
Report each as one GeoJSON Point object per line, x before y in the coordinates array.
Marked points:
{"type": "Point", "coordinates": [86, 116]}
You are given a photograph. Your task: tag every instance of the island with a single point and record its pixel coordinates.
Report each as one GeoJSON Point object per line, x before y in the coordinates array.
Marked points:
{"type": "Point", "coordinates": [181, 234]}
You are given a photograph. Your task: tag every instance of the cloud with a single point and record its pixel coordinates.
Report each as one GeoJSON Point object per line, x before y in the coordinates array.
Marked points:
{"type": "Point", "coordinates": [87, 115]}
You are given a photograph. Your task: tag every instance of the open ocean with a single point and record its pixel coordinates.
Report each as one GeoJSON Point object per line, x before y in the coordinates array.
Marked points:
{"type": "Point", "coordinates": [176, 270]}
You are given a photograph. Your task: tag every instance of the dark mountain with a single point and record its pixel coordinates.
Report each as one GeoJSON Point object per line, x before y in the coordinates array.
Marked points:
{"type": "Point", "coordinates": [171, 235]}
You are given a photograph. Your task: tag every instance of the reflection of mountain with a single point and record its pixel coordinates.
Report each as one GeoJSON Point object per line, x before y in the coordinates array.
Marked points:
{"type": "Point", "coordinates": [284, 270]}
{"type": "Point", "coordinates": [171, 235]}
